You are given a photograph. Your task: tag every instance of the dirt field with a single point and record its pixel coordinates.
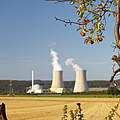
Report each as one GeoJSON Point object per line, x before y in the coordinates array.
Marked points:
{"type": "Point", "coordinates": [37, 108]}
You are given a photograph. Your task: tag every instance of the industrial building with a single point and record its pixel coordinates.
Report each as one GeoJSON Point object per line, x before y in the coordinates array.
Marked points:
{"type": "Point", "coordinates": [37, 89]}
{"type": "Point", "coordinates": [57, 82]}
{"type": "Point", "coordinates": [80, 82]}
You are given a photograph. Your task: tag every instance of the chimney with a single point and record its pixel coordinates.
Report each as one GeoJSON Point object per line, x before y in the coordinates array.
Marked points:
{"type": "Point", "coordinates": [32, 80]}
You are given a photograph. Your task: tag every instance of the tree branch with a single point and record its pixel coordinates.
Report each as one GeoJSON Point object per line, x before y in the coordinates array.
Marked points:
{"type": "Point", "coordinates": [114, 74]}
{"type": "Point", "coordinates": [69, 22]}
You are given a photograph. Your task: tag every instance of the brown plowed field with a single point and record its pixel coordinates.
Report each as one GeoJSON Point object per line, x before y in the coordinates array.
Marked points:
{"type": "Point", "coordinates": [46, 108]}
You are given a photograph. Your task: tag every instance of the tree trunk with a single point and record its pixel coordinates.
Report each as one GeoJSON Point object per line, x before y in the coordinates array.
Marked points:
{"type": "Point", "coordinates": [116, 28]}
{"type": "Point", "coordinates": [3, 112]}
{"type": "Point", "coordinates": [117, 38]}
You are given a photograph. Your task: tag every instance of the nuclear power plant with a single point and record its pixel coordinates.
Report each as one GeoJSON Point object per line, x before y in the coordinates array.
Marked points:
{"type": "Point", "coordinates": [80, 82]}
{"type": "Point", "coordinates": [57, 77]}
{"type": "Point", "coordinates": [57, 82]}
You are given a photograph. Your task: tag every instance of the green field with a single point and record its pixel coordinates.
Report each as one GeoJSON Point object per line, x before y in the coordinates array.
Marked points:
{"type": "Point", "coordinates": [68, 95]}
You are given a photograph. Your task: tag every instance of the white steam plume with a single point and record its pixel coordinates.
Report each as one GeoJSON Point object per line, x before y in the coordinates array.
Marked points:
{"type": "Point", "coordinates": [55, 58]}
{"type": "Point", "coordinates": [69, 61]}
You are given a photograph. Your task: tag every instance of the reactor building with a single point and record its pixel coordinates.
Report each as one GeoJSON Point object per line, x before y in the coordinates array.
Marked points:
{"type": "Point", "coordinates": [57, 82]}
{"type": "Point", "coordinates": [80, 82]}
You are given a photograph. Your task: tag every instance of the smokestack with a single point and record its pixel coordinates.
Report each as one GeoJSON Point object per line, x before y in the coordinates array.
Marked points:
{"type": "Point", "coordinates": [32, 80]}
{"type": "Point", "coordinates": [80, 82]}
{"type": "Point", "coordinates": [57, 82]}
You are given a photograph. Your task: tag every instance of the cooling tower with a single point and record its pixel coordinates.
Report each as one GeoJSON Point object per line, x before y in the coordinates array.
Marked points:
{"type": "Point", "coordinates": [57, 82]}
{"type": "Point", "coordinates": [80, 82]}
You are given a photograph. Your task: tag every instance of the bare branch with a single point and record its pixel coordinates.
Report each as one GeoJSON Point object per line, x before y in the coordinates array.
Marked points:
{"type": "Point", "coordinates": [69, 22]}
{"type": "Point", "coordinates": [114, 74]}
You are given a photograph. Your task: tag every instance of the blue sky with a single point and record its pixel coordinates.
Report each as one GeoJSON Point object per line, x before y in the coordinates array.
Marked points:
{"type": "Point", "coordinates": [28, 31]}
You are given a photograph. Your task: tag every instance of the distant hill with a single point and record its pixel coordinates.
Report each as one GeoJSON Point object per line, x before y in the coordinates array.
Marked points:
{"type": "Point", "coordinates": [20, 86]}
